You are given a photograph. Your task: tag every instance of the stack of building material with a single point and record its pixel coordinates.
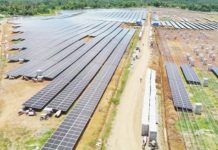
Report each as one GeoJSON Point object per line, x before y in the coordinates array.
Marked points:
{"type": "Point", "coordinates": [152, 109]}
{"type": "Point", "coordinates": [149, 117]}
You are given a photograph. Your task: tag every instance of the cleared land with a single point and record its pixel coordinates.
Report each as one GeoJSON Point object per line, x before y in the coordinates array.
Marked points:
{"type": "Point", "coordinates": [79, 57]}
{"type": "Point", "coordinates": [91, 74]}
{"type": "Point", "coordinates": [176, 45]}
{"type": "Point", "coordinates": [127, 127]}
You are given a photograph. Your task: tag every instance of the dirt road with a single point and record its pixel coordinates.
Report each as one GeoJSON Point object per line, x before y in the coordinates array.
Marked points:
{"type": "Point", "coordinates": [126, 130]}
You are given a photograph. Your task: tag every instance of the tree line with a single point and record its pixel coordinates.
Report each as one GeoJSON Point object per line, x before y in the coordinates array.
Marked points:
{"type": "Point", "coordinates": [36, 7]}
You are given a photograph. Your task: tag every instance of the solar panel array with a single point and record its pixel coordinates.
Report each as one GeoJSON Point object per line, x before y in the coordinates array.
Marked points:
{"type": "Point", "coordinates": [190, 25]}
{"type": "Point", "coordinates": [119, 15]}
{"type": "Point", "coordinates": [70, 130]}
{"type": "Point", "coordinates": [61, 37]}
{"type": "Point", "coordinates": [189, 74]}
{"type": "Point", "coordinates": [179, 93]}
{"type": "Point", "coordinates": [49, 45]}
{"type": "Point", "coordinates": [95, 44]}
{"type": "Point", "coordinates": [214, 69]}
{"type": "Point", "coordinates": [61, 58]}
{"type": "Point", "coordinates": [65, 99]}
{"type": "Point", "coordinates": [79, 52]}
{"type": "Point", "coordinates": [39, 100]}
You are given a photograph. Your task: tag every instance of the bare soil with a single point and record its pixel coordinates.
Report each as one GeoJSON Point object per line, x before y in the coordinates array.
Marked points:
{"type": "Point", "coordinates": [176, 44]}
{"type": "Point", "coordinates": [13, 93]}
{"type": "Point", "coordinates": [174, 138]}
{"type": "Point", "coordinates": [126, 130]}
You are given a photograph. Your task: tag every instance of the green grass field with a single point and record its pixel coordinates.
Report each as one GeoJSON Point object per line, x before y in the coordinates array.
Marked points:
{"type": "Point", "coordinates": [204, 127]}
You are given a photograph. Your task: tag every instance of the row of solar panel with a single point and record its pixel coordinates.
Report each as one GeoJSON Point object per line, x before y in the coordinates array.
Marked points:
{"type": "Point", "coordinates": [70, 130]}
{"type": "Point", "coordinates": [36, 39]}
{"type": "Point", "coordinates": [78, 67]}
{"type": "Point", "coordinates": [189, 74]}
{"type": "Point", "coordinates": [129, 16]}
{"type": "Point", "coordinates": [53, 66]}
{"type": "Point", "coordinates": [60, 60]}
{"type": "Point", "coordinates": [45, 46]}
{"type": "Point", "coordinates": [50, 51]}
{"type": "Point", "coordinates": [31, 53]}
{"type": "Point", "coordinates": [179, 93]}
{"type": "Point", "coordinates": [189, 25]}
{"type": "Point", "coordinates": [64, 100]}
{"type": "Point", "coordinates": [134, 14]}
{"type": "Point", "coordinates": [214, 69]}
{"type": "Point", "coordinates": [55, 29]}
{"type": "Point", "coordinates": [39, 100]}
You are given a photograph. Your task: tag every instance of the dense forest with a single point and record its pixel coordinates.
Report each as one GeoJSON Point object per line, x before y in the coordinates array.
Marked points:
{"type": "Point", "coordinates": [35, 7]}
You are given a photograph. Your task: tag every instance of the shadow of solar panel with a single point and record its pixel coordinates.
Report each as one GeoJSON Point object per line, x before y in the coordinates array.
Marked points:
{"type": "Point", "coordinates": [179, 93]}
{"type": "Point", "coordinates": [189, 74]}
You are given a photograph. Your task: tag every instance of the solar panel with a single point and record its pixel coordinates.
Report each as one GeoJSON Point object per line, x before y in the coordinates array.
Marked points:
{"type": "Point", "coordinates": [39, 100]}
{"type": "Point", "coordinates": [65, 99]}
{"type": "Point", "coordinates": [189, 24]}
{"type": "Point", "coordinates": [55, 70]}
{"type": "Point", "coordinates": [179, 93]}
{"type": "Point", "coordinates": [214, 69]}
{"type": "Point", "coordinates": [174, 25]}
{"type": "Point", "coordinates": [213, 25]}
{"type": "Point", "coordinates": [207, 26]}
{"type": "Point", "coordinates": [43, 45]}
{"type": "Point", "coordinates": [68, 133]}
{"type": "Point", "coordinates": [65, 53]}
{"type": "Point", "coordinates": [44, 65]}
{"type": "Point", "coordinates": [129, 16]}
{"type": "Point", "coordinates": [179, 25]}
{"type": "Point", "coordinates": [189, 74]}
{"type": "Point", "coordinates": [186, 26]}
{"type": "Point", "coordinates": [29, 70]}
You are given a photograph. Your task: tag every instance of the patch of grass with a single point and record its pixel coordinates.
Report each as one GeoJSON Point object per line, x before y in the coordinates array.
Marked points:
{"type": "Point", "coordinates": [202, 123]}
{"type": "Point", "coordinates": [23, 139]}
{"type": "Point", "coordinates": [115, 100]}
{"type": "Point", "coordinates": [108, 128]}
{"type": "Point", "coordinates": [36, 142]}
{"type": "Point", "coordinates": [206, 123]}
{"type": "Point", "coordinates": [5, 143]}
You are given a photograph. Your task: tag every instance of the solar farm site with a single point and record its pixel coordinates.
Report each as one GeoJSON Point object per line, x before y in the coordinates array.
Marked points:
{"type": "Point", "coordinates": [116, 79]}
{"type": "Point", "coordinates": [187, 44]}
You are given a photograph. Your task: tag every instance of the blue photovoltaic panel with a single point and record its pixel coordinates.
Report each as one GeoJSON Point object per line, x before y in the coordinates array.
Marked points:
{"type": "Point", "coordinates": [46, 62]}
{"type": "Point", "coordinates": [214, 69]}
{"type": "Point", "coordinates": [70, 130]}
{"type": "Point", "coordinates": [179, 93]}
{"type": "Point", "coordinates": [40, 100]}
{"type": "Point", "coordinates": [65, 99]}
{"type": "Point", "coordinates": [189, 74]}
